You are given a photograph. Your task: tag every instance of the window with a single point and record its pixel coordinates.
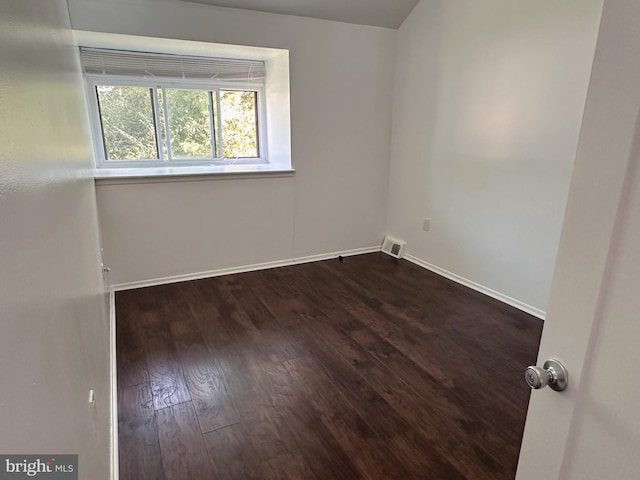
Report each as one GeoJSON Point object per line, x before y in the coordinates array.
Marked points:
{"type": "Point", "coordinates": [150, 109]}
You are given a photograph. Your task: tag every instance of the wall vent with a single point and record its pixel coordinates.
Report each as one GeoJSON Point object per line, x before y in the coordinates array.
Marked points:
{"type": "Point", "coordinates": [393, 247]}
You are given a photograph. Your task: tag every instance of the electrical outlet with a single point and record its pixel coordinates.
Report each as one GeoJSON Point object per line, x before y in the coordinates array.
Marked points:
{"type": "Point", "coordinates": [426, 223]}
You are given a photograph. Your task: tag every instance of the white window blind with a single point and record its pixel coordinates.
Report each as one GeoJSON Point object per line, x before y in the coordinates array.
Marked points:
{"type": "Point", "coordinates": [106, 62]}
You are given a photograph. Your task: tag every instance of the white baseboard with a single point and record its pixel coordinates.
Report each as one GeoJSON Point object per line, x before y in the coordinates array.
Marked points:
{"type": "Point", "coordinates": [242, 269]}
{"type": "Point", "coordinates": [115, 469]}
{"type": "Point", "coordinates": [536, 312]}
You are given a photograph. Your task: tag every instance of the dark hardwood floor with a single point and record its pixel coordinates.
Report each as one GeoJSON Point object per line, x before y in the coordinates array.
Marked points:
{"type": "Point", "coordinates": [367, 368]}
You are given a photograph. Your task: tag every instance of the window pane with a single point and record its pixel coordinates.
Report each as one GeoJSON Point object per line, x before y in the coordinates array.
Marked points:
{"type": "Point", "coordinates": [128, 126]}
{"type": "Point", "coordinates": [239, 123]}
{"type": "Point", "coordinates": [189, 123]}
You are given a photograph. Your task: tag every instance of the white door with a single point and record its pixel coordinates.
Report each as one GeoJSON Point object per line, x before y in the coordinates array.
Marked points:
{"type": "Point", "coordinates": [591, 431]}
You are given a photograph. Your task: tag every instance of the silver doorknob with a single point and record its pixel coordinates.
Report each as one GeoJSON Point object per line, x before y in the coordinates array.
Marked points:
{"type": "Point", "coordinates": [553, 374]}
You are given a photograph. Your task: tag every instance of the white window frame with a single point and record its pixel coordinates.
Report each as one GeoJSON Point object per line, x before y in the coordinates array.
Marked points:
{"type": "Point", "coordinates": [92, 81]}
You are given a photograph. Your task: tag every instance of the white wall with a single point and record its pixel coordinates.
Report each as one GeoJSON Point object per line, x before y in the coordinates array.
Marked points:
{"type": "Point", "coordinates": [54, 326]}
{"type": "Point", "coordinates": [489, 98]}
{"type": "Point", "coordinates": [488, 101]}
{"type": "Point", "coordinates": [341, 88]}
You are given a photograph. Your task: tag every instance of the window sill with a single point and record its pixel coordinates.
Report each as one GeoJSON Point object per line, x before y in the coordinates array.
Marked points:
{"type": "Point", "coordinates": [120, 176]}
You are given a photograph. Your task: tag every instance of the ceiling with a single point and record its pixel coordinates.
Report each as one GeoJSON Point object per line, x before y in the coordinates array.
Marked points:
{"type": "Point", "coordinates": [381, 13]}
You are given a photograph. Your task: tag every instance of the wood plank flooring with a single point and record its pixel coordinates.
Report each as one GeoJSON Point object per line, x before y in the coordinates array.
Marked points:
{"type": "Point", "coordinates": [367, 368]}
